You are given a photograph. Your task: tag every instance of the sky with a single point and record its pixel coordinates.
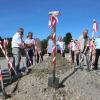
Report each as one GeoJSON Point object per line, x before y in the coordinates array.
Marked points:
{"type": "Point", "coordinates": [32, 15]}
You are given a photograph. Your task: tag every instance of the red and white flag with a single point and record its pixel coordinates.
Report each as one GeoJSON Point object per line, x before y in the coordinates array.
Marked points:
{"type": "Point", "coordinates": [53, 36]}
{"type": "Point", "coordinates": [54, 49]}
{"type": "Point", "coordinates": [5, 43]}
{"type": "Point", "coordinates": [0, 74]}
{"type": "Point", "coordinates": [54, 60]}
{"type": "Point", "coordinates": [53, 20]}
{"type": "Point", "coordinates": [95, 26]}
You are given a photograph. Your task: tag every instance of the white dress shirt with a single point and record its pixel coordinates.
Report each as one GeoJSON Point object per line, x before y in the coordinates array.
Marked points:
{"type": "Point", "coordinates": [15, 40]}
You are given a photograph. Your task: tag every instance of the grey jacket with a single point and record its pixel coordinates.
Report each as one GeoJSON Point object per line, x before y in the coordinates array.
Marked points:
{"type": "Point", "coordinates": [83, 42]}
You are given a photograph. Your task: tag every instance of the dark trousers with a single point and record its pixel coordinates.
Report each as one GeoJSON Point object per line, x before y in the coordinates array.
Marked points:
{"type": "Point", "coordinates": [72, 56]}
{"type": "Point", "coordinates": [77, 58]}
{"type": "Point", "coordinates": [49, 54]}
{"type": "Point", "coordinates": [29, 58]}
{"type": "Point", "coordinates": [97, 58]}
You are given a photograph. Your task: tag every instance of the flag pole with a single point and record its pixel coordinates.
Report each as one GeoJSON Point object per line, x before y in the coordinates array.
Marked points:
{"type": "Point", "coordinates": [94, 28]}
{"type": "Point", "coordinates": [53, 81]}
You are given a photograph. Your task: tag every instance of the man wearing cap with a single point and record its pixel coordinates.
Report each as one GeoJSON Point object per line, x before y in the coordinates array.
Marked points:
{"type": "Point", "coordinates": [83, 40]}
{"type": "Point", "coordinates": [17, 48]}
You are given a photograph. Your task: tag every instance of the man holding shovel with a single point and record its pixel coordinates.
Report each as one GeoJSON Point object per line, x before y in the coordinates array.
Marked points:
{"type": "Point", "coordinates": [17, 48]}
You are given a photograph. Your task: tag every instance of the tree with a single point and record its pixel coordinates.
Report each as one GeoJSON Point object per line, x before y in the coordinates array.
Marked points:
{"type": "Point", "coordinates": [44, 44]}
{"type": "Point", "coordinates": [0, 38]}
{"type": "Point", "coordinates": [67, 38]}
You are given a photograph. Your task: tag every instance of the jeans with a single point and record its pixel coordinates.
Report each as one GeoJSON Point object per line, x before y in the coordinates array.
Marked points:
{"type": "Point", "coordinates": [17, 52]}
{"type": "Point", "coordinates": [84, 59]}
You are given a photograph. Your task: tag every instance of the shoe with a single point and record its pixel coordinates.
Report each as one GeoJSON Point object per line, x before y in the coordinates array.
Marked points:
{"type": "Point", "coordinates": [81, 68]}
{"type": "Point", "coordinates": [24, 73]}
{"type": "Point", "coordinates": [91, 68]}
{"type": "Point", "coordinates": [95, 68]}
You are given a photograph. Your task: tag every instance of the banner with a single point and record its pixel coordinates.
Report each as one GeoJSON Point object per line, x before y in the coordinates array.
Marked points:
{"type": "Point", "coordinates": [53, 20]}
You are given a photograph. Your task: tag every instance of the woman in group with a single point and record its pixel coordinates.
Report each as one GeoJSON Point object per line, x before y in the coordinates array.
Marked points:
{"type": "Point", "coordinates": [60, 46]}
{"type": "Point", "coordinates": [72, 47]}
{"type": "Point", "coordinates": [29, 43]}
{"type": "Point", "coordinates": [50, 46]}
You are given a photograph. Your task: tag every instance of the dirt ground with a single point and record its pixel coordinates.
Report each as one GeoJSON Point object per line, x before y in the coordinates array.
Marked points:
{"type": "Point", "coordinates": [73, 84]}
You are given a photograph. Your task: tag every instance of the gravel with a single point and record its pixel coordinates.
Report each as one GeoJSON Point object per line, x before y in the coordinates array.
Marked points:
{"type": "Point", "coordinates": [74, 84]}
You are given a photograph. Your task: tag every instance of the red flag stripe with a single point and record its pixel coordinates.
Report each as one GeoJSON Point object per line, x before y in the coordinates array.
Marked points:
{"type": "Point", "coordinates": [54, 49]}
{"type": "Point", "coordinates": [53, 36]}
{"type": "Point", "coordinates": [54, 60]}
{"type": "Point", "coordinates": [10, 64]}
{"type": "Point", "coordinates": [0, 74]}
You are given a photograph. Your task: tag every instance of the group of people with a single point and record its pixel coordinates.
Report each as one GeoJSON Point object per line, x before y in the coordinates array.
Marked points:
{"type": "Point", "coordinates": [89, 47]}
{"type": "Point", "coordinates": [60, 45]}
{"type": "Point", "coordinates": [31, 47]}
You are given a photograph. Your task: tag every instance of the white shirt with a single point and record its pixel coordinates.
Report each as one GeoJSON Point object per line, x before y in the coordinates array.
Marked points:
{"type": "Point", "coordinates": [73, 46]}
{"type": "Point", "coordinates": [29, 41]}
{"type": "Point", "coordinates": [15, 40]}
{"type": "Point", "coordinates": [61, 45]}
{"type": "Point", "coordinates": [50, 45]}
